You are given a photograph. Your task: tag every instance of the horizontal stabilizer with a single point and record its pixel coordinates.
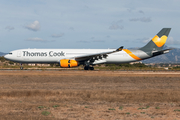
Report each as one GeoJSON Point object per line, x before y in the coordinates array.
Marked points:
{"type": "Point", "coordinates": [161, 52]}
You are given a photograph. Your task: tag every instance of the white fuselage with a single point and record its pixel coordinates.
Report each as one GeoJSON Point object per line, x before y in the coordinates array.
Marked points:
{"type": "Point", "coordinates": [55, 55]}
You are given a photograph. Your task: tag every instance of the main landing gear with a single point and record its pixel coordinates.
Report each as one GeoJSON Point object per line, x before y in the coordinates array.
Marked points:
{"type": "Point", "coordinates": [88, 68]}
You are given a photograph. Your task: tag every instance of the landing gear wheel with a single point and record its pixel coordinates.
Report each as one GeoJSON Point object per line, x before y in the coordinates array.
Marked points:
{"type": "Point", "coordinates": [91, 68]}
{"type": "Point", "coordinates": [86, 68]}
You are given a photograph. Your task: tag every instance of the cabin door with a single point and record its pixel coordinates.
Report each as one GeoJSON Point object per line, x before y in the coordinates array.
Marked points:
{"type": "Point", "coordinates": [18, 53]}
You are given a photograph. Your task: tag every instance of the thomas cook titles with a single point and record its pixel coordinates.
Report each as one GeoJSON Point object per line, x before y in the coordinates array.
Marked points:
{"type": "Point", "coordinates": [44, 54]}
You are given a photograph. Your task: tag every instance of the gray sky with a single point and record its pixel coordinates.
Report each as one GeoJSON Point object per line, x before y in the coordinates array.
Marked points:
{"type": "Point", "coordinates": [86, 23]}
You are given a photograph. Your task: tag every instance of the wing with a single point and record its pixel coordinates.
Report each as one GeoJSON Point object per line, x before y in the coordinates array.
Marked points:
{"type": "Point", "coordinates": [97, 55]}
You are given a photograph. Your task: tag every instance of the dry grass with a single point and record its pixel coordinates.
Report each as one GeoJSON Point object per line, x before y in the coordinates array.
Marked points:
{"type": "Point", "coordinates": [89, 95]}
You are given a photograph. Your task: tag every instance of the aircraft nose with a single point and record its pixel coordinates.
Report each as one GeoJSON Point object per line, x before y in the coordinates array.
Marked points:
{"type": "Point", "coordinates": [6, 56]}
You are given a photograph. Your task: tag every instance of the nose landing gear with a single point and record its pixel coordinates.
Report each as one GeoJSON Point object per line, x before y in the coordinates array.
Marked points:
{"type": "Point", "coordinates": [21, 68]}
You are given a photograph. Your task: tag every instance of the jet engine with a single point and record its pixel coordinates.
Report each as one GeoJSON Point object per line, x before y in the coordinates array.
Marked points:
{"type": "Point", "coordinates": [67, 63]}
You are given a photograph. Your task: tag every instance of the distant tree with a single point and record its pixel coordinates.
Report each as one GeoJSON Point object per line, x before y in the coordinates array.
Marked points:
{"type": "Point", "coordinates": [11, 63]}
{"type": "Point", "coordinates": [141, 65]}
{"type": "Point", "coordinates": [2, 59]}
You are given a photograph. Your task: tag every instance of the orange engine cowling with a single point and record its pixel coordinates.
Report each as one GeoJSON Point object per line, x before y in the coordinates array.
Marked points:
{"type": "Point", "coordinates": [66, 63]}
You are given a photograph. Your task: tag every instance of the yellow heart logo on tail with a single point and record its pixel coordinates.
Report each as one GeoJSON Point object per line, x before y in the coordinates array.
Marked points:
{"type": "Point", "coordinates": [159, 41]}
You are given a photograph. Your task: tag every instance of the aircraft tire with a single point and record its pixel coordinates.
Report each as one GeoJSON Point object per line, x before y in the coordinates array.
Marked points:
{"type": "Point", "coordinates": [91, 68]}
{"type": "Point", "coordinates": [86, 68]}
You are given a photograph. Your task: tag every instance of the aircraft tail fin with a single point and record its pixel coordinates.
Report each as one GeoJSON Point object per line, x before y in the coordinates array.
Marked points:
{"type": "Point", "coordinates": [157, 43]}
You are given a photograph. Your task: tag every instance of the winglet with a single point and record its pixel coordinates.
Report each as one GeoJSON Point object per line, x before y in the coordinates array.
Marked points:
{"type": "Point", "coordinates": [120, 48]}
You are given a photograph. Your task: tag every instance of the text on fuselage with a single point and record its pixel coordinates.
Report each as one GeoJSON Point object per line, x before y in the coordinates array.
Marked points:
{"type": "Point", "coordinates": [44, 54]}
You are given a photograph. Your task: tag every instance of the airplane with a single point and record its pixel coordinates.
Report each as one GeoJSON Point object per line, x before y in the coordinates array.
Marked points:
{"type": "Point", "coordinates": [68, 58]}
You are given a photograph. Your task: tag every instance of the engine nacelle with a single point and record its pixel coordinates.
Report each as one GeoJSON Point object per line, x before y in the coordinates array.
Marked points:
{"type": "Point", "coordinates": [66, 63]}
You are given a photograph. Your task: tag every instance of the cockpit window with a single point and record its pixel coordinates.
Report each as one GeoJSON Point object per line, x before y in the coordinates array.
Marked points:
{"type": "Point", "coordinates": [10, 53]}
